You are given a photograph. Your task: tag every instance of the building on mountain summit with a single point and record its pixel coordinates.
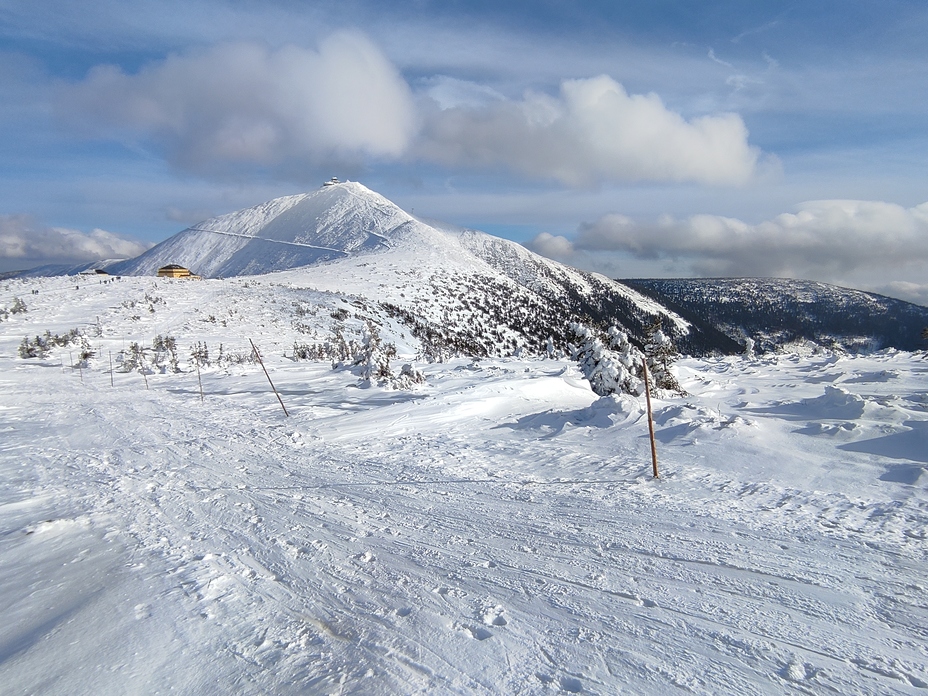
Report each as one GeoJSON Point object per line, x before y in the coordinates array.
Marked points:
{"type": "Point", "coordinates": [173, 270]}
{"type": "Point", "coordinates": [332, 182]}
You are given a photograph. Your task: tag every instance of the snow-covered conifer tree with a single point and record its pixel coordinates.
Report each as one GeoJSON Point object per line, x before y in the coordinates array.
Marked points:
{"type": "Point", "coordinates": [661, 355]}
{"type": "Point", "coordinates": [612, 368]}
{"type": "Point", "coordinates": [374, 356]}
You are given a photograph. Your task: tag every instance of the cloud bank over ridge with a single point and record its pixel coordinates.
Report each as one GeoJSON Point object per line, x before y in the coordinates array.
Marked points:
{"type": "Point", "coordinates": [837, 240]}
{"type": "Point", "coordinates": [25, 243]}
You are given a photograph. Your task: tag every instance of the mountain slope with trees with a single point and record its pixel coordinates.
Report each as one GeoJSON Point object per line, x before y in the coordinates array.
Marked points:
{"type": "Point", "coordinates": [773, 312]}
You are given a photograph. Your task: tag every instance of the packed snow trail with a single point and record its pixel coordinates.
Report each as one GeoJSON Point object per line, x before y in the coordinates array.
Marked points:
{"type": "Point", "coordinates": [496, 533]}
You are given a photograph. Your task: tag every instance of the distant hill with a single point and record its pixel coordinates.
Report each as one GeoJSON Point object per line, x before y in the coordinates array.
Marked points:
{"type": "Point", "coordinates": [777, 311]}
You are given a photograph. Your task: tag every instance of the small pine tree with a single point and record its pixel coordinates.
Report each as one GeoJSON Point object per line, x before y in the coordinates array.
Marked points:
{"type": "Point", "coordinates": [661, 355]}
{"type": "Point", "coordinates": [132, 358]}
{"type": "Point", "coordinates": [199, 354]}
{"type": "Point", "coordinates": [18, 306]}
{"type": "Point", "coordinates": [374, 357]}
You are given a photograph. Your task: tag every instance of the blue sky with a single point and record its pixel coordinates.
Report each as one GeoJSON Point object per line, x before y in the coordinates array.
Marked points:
{"type": "Point", "coordinates": [634, 138]}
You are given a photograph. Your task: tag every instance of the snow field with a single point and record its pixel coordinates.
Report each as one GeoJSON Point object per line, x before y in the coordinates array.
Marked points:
{"type": "Point", "coordinates": [494, 531]}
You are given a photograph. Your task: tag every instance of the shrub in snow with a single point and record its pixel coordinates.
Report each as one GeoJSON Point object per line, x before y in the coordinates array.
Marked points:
{"type": "Point", "coordinates": [132, 358]}
{"type": "Point", "coordinates": [41, 345]}
{"type": "Point", "coordinates": [33, 349]}
{"type": "Point", "coordinates": [661, 355]}
{"type": "Point", "coordinates": [613, 366]}
{"type": "Point", "coordinates": [335, 348]}
{"type": "Point", "coordinates": [408, 378]}
{"type": "Point", "coordinates": [199, 354]}
{"type": "Point", "coordinates": [550, 352]}
{"type": "Point", "coordinates": [85, 353]}
{"type": "Point", "coordinates": [165, 350]}
{"type": "Point", "coordinates": [374, 357]}
{"type": "Point", "coordinates": [18, 306]}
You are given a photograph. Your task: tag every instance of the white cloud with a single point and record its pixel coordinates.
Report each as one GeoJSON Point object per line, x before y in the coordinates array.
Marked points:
{"type": "Point", "coordinates": [592, 131]}
{"type": "Point", "coordinates": [553, 246]}
{"type": "Point", "coordinates": [25, 243]}
{"type": "Point", "coordinates": [834, 237]}
{"type": "Point", "coordinates": [911, 292]}
{"type": "Point", "coordinates": [242, 104]}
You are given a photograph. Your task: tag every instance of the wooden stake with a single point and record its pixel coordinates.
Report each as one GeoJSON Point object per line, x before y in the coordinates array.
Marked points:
{"type": "Point", "coordinates": [199, 381]}
{"type": "Point", "coordinates": [112, 382]}
{"type": "Point", "coordinates": [647, 391]}
{"type": "Point", "coordinates": [258, 355]}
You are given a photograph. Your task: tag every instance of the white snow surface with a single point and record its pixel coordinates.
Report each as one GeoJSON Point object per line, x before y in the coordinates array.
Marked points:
{"type": "Point", "coordinates": [494, 531]}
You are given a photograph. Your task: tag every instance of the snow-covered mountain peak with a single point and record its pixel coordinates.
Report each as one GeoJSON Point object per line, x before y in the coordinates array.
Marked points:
{"type": "Point", "coordinates": [329, 223]}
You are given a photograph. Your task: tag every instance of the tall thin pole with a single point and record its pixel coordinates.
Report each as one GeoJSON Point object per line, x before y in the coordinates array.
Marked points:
{"type": "Point", "coordinates": [647, 392]}
{"type": "Point", "coordinates": [199, 381]}
{"type": "Point", "coordinates": [112, 382]}
{"type": "Point", "coordinates": [258, 355]}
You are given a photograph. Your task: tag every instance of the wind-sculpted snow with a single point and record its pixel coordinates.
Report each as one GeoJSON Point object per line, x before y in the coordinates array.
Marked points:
{"type": "Point", "coordinates": [494, 530]}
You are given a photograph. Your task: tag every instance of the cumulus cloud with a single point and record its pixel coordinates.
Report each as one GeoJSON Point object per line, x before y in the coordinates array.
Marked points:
{"type": "Point", "coordinates": [243, 104]}
{"type": "Point", "coordinates": [24, 243]}
{"type": "Point", "coordinates": [825, 240]}
{"type": "Point", "coordinates": [592, 131]}
{"type": "Point", "coordinates": [553, 246]}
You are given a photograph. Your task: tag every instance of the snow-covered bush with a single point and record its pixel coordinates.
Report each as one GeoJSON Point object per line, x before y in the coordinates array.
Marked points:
{"type": "Point", "coordinates": [336, 348]}
{"type": "Point", "coordinates": [40, 346]}
{"type": "Point", "coordinates": [132, 358]}
{"type": "Point", "coordinates": [611, 366]}
{"type": "Point", "coordinates": [18, 306]}
{"type": "Point", "coordinates": [374, 357]}
{"type": "Point", "coordinates": [165, 351]}
{"type": "Point", "coordinates": [408, 378]}
{"type": "Point", "coordinates": [199, 354]}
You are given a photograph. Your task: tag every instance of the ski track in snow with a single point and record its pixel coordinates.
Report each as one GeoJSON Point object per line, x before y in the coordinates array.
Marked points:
{"type": "Point", "coordinates": [496, 531]}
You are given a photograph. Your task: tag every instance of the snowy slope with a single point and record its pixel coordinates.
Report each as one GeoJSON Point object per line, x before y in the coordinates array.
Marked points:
{"type": "Point", "coordinates": [493, 531]}
{"type": "Point", "coordinates": [332, 222]}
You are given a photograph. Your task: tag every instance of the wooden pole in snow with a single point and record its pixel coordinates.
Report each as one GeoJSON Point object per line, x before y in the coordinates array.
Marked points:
{"type": "Point", "coordinates": [258, 356]}
{"type": "Point", "coordinates": [199, 381]}
{"type": "Point", "coordinates": [647, 391]}
{"type": "Point", "coordinates": [112, 382]}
